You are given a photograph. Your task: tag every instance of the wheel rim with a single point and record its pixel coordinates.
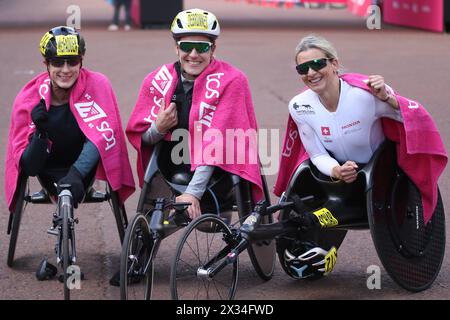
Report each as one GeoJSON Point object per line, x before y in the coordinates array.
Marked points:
{"type": "Point", "coordinates": [66, 254]}
{"type": "Point", "coordinates": [136, 273]}
{"type": "Point", "coordinates": [411, 252]}
{"type": "Point", "coordinates": [198, 246]}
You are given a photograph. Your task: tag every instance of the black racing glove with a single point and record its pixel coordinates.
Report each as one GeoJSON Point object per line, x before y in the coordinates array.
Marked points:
{"type": "Point", "coordinates": [39, 115]}
{"type": "Point", "coordinates": [75, 179]}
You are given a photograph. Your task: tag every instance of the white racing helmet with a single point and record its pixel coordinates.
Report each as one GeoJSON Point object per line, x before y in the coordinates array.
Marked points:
{"type": "Point", "coordinates": [309, 261]}
{"type": "Point", "coordinates": [195, 22]}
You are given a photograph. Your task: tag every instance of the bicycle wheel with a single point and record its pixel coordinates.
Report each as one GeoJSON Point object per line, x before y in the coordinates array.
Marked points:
{"type": "Point", "coordinates": [22, 191]}
{"type": "Point", "coordinates": [136, 263]}
{"type": "Point", "coordinates": [65, 210]}
{"type": "Point", "coordinates": [203, 244]}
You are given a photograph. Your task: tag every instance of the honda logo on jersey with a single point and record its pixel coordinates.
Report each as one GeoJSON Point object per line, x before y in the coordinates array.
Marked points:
{"type": "Point", "coordinates": [325, 131]}
{"type": "Point", "coordinates": [89, 111]}
{"type": "Point", "coordinates": [162, 80]}
{"type": "Point", "coordinates": [206, 113]}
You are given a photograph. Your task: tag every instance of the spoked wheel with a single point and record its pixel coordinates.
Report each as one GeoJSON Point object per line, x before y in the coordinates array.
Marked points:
{"type": "Point", "coordinates": [204, 244]}
{"type": "Point", "coordinates": [410, 250]}
{"type": "Point", "coordinates": [16, 217]}
{"type": "Point", "coordinates": [136, 263]}
{"type": "Point", "coordinates": [66, 256]}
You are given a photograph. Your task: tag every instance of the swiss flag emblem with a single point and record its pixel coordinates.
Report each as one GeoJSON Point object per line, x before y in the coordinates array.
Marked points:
{"type": "Point", "coordinates": [325, 131]}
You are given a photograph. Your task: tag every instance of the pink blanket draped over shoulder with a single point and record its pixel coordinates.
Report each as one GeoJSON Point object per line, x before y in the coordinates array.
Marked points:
{"type": "Point", "coordinates": [94, 105]}
{"type": "Point", "coordinates": [420, 150]}
{"type": "Point", "coordinates": [221, 107]}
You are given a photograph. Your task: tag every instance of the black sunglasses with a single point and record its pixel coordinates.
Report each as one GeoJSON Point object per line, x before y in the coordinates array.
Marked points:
{"type": "Point", "coordinates": [315, 64]}
{"type": "Point", "coordinates": [59, 63]}
{"type": "Point", "coordinates": [199, 46]}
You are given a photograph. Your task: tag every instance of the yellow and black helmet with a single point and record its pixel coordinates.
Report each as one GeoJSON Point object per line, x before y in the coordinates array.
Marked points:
{"type": "Point", "coordinates": [195, 22]}
{"type": "Point", "coordinates": [62, 42]}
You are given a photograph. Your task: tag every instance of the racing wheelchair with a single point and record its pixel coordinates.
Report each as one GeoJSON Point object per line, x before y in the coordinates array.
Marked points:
{"type": "Point", "coordinates": [63, 223]}
{"type": "Point", "coordinates": [158, 216]}
{"type": "Point", "coordinates": [316, 213]}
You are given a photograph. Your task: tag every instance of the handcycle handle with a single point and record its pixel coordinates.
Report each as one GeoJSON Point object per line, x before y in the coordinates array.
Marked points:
{"type": "Point", "coordinates": [262, 209]}
{"type": "Point", "coordinates": [279, 206]}
{"type": "Point", "coordinates": [179, 206]}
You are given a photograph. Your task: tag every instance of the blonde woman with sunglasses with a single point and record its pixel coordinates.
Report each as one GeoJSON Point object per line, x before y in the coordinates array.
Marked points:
{"type": "Point", "coordinates": [339, 120]}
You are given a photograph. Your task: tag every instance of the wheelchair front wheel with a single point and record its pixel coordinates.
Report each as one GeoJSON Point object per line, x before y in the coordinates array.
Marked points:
{"type": "Point", "coordinates": [66, 256]}
{"type": "Point", "coordinates": [136, 263]}
{"type": "Point", "coordinates": [205, 243]}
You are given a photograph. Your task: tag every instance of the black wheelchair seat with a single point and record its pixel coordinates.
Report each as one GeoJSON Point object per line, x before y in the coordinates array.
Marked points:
{"type": "Point", "coordinates": [219, 194]}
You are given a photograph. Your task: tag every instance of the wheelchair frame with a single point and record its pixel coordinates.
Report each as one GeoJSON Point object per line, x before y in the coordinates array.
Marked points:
{"type": "Point", "coordinates": [63, 219]}
{"type": "Point", "coordinates": [295, 222]}
{"type": "Point", "coordinates": [150, 231]}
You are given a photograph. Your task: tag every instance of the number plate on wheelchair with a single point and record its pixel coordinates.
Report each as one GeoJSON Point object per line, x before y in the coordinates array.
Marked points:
{"type": "Point", "coordinates": [326, 218]}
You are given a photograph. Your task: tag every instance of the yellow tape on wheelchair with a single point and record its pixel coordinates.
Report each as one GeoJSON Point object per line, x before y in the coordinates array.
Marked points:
{"type": "Point", "coordinates": [67, 45]}
{"type": "Point", "coordinates": [330, 260]}
{"type": "Point", "coordinates": [326, 219]}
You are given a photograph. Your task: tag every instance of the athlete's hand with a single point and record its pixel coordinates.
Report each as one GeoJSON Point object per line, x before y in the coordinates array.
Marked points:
{"type": "Point", "coordinates": [194, 209]}
{"type": "Point", "coordinates": [39, 115]}
{"type": "Point", "coordinates": [166, 118]}
{"type": "Point", "coordinates": [378, 87]}
{"type": "Point", "coordinates": [347, 172]}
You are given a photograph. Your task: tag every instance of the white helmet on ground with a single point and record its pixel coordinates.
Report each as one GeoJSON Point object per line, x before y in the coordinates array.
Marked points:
{"type": "Point", "coordinates": [195, 22]}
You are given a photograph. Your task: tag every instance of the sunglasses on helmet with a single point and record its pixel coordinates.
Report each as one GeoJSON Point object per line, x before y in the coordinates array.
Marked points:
{"type": "Point", "coordinates": [59, 63]}
{"type": "Point", "coordinates": [316, 65]}
{"type": "Point", "coordinates": [199, 46]}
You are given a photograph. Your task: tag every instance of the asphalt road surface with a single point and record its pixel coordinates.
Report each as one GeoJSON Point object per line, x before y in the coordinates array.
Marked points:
{"type": "Point", "coordinates": [261, 42]}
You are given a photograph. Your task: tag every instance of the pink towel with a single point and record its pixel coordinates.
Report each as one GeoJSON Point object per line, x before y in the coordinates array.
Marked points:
{"type": "Point", "coordinates": [221, 100]}
{"type": "Point", "coordinates": [420, 149]}
{"type": "Point", "coordinates": [93, 103]}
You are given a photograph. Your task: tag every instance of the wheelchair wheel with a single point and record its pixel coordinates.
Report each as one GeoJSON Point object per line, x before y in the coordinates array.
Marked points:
{"type": "Point", "coordinates": [206, 239]}
{"type": "Point", "coordinates": [136, 263]}
{"type": "Point", "coordinates": [66, 256]}
{"type": "Point", "coordinates": [16, 217]}
{"type": "Point", "coordinates": [119, 212]}
{"type": "Point", "coordinates": [261, 253]}
{"type": "Point", "coordinates": [410, 251]}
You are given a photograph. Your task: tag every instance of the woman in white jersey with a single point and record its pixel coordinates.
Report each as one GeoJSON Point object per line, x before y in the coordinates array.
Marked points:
{"type": "Point", "coordinates": [340, 127]}
{"type": "Point", "coordinates": [339, 124]}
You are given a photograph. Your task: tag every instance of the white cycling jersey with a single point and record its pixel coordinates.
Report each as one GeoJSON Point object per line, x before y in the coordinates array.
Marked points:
{"type": "Point", "coordinates": [352, 132]}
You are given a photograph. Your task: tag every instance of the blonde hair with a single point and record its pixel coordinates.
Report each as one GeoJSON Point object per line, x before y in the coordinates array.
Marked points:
{"type": "Point", "coordinates": [316, 42]}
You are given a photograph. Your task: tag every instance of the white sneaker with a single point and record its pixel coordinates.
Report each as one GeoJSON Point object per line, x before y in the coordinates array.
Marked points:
{"type": "Point", "coordinates": [113, 27]}
{"type": "Point", "coordinates": [127, 27]}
